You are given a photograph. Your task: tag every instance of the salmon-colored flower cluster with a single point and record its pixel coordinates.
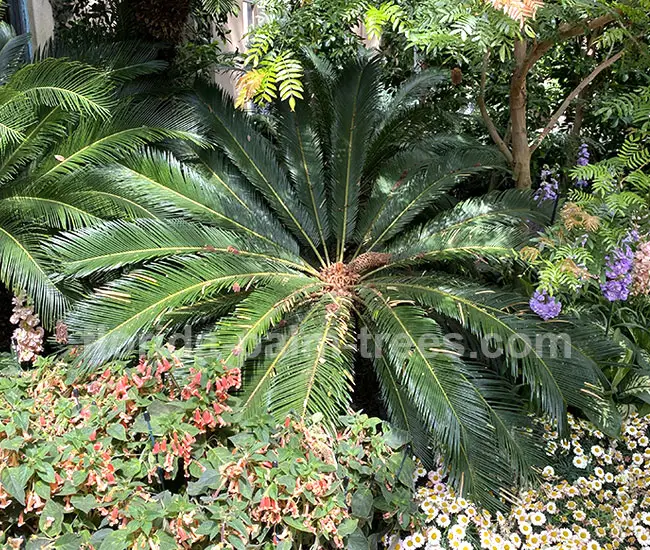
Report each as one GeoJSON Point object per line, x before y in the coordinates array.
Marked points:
{"type": "Point", "coordinates": [149, 456]}
{"type": "Point", "coordinates": [641, 270]}
{"type": "Point", "coordinates": [87, 433]}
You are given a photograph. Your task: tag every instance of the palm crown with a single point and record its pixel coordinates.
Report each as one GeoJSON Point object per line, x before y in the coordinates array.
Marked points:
{"type": "Point", "coordinates": [59, 117]}
{"type": "Point", "coordinates": [296, 234]}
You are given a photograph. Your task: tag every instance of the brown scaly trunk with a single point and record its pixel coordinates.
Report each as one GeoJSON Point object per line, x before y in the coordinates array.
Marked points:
{"type": "Point", "coordinates": [519, 145]}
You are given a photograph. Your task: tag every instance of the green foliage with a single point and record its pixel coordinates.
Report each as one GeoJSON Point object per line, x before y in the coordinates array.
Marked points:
{"type": "Point", "coordinates": [274, 76]}
{"type": "Point", "coordinates": [58, 118]}
{"type": "Point", "coordinates": [274, 55]}
{"type": "Point", "coordinates": [154, 455]}
{"type": "Point", "coordinates": [571, 256]}
{"type": "Point", "coordinates": [284, 245]}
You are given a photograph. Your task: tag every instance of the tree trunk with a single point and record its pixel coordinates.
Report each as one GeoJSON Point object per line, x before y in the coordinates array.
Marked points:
{"type": "Point", "coordinates": [519, 146]}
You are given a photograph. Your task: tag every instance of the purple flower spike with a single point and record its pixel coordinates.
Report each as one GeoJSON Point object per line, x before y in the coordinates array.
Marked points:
{"type": "Point", "coordinates": [583, 160]}
{"type": "Point", "coordinates": [544, 305]}
{"type": "Point", "coordinates": [548, 187]}
{"type": "Point", "coordinates": [618, 274]}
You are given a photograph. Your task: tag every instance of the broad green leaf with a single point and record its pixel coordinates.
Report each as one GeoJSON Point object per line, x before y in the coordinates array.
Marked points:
{"type": "Point", "coordinates": [51, 518]}
{"type": "Point", "coordinates": [14, 480]}
{"type": "Point", "coordinates": [362, 503]}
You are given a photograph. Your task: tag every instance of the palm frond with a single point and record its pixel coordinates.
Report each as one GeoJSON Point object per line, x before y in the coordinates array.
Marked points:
{"type": "Point", "coordinates": [320, 78]}
{"type": "Point", "coordinates": [437, 383]}
{"type": "Point", "coordinates": [24, 268]}
{"type": "Point", "coordinates": [401, 411]}
{"type": "Point", "coordinates": [355, 114]}
{"type": "Point", "coordinates": [123, 61]}
{"type": "Point", "coordinates": [391, 212]}
{"type": "Point", "coordinates": [133, 125]}
{"type": "Point", "coordinates": [239, 334]}
{"type": "Point", "coordinates": [303, 156]}
{"type": "Point", "coordinates": [34, 143]}
{"type": "Point", "coordinates": [17, 114]}
{"type": "Point", "coordinates": [69, 85]}
{"type": "Point", "coordinates": [404, 121]}
{"type": "Point", "coordinates": [13, 51]}
{"type": "Point", "coordinates": [558, 373]}
{"type": "Point", "coordinates": [309, 370]}
{"type": "Point", "coordinates": [163, 186]}
{"type": "Point", "coordinates": [220, 7]}
{"type": "Point", "coordinates": [115, 244]}
{"type": "Point", "coordinates": [48, 211]}
{"type": "Point", "coordinates": [111, 321]}
{"type": "Point", "coordinates": [253, 155]}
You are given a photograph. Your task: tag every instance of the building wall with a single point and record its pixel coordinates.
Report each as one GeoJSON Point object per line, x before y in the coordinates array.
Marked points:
{"type": "Point", "coordinates": [41, 21]}
{"type": "Point", "coordinates": [237, 26]}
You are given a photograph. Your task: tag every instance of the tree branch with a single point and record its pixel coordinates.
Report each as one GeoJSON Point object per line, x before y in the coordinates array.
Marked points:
{"type": "Point", "coordinates": [579, 88]}
{"type": "Point", "coordinates": [565, 31]}
{"type": "Point", "coordinates": [489, 123]}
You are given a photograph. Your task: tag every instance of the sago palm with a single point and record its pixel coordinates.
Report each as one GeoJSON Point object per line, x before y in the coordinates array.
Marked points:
{"type": "Point", "coordinates": [59, 117]}
{"type": "Point", "coordinates": [301, 231]}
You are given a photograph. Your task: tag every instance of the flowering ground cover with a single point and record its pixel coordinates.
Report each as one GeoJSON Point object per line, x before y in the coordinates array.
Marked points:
{"type": "Point", "coordinates": [154, 456]}
{"type": "Point", "coordinates": [594, 496]}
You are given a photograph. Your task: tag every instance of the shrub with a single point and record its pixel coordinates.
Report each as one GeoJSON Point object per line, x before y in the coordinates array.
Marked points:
{"type": "Point", "coordinates": [334, 233]}
{"type": "Point", "coordinates": [152, 456]}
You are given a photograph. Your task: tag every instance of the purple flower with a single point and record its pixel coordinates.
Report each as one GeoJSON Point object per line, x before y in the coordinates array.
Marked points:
{"type": "Point", "coordinates": [583, 160]}
{"type": "Point", "coordinates": [545, 305]}
{"type": "Point", "coordinates": [617, 289]}
{"type": "Point", "coordinates": [548, 187]}
{"type": "Point", "coordinates": [618, 273]}
{"type": "Point", "coordinates": [632, 236]}
{"type": "Point", "coordinates": [583, 155]}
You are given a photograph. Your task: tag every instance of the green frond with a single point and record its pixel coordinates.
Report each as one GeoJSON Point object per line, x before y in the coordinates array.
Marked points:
{"type": "Point", "coordinates": [404, 121]}
{"type": "Point", "coordinates": [48, 211]}
{"type": "Point", "coordinates": [558, 373]}
{"type": "Point", "coordinates": [391, 212]}
{"type": "Point", "coordinates": [222, 175]}
{"type": "Point", "coordinates": [123, 61]}
{"type": "Point", "coordinates": [355, 115]}
{"type": "Point", "coordinates": [133, 125]}
{"type": "Point", "coordinates": [239, 334]}
{"type": "Point", "coordinates": [304, 158]}
{"type": "Point", "coordinates": [401, 411]}
{"type": "Point", "coordinates": [34, 143]}
{"type": "Point", "coordinates": [13, 51]}
{"type": "Point", "coordinates": [113, 245]}
{"type": "Point", "coordinates": [485, 229]}
{"type": "Point", "coordinates": [438, 385]}
{"type": "Point", "coordinates": [253, 155]}
{"type": "Point", "coordinates": [24, 267]}
{"type": "Point", "coordinates": [17, 114]}
{"type": "Point", "coordinates": [111, 321]}
{"type": "Point", "coordinates": [220, 7]}
{"type": "Point", "coordinates": [164, 186]}
{"type": "Point", "coordinates": [202, 316]}
{"type": "Point", "coordinates": [69, 85]}
{"type": "Point", "coordinates": [320, 79]}
{"type": "Point", "coordinates": [308, 369]}
{"type": "Point", "coordinates": [411, 89]}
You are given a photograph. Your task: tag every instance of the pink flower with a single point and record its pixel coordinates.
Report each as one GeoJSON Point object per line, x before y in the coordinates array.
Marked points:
{"type": "Point", "coordinates": [28, 337]}
{"type": "Point", "coordinates": [641, 270]}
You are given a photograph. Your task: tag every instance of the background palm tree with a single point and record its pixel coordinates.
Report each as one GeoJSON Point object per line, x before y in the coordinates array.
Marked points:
{"type": "Point", "coordinates": [59, 117]}
{"type": "Point", "coordinates": [298, 232]}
